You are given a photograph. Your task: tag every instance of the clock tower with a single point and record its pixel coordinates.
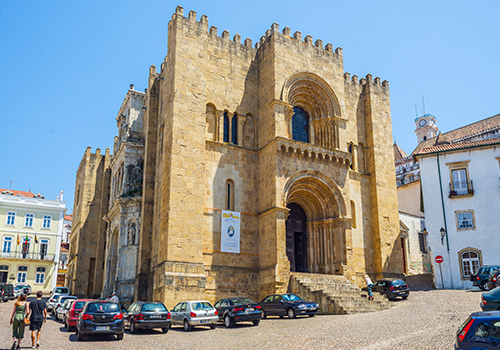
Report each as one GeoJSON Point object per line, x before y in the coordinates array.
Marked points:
{"type": "Point", "coordinates": [426, 127]}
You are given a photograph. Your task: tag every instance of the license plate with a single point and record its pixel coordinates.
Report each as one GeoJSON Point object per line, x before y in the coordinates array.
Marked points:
{"type": "Point", "coordinates": [102, 328]}
{"type": "Point", "coordinates": [248, 309]}
{"type": "Point", "coordinates": [155, 316]}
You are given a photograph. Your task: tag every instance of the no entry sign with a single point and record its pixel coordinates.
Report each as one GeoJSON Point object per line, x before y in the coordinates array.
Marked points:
{"type": "Point", "coordinates": [439, 259]}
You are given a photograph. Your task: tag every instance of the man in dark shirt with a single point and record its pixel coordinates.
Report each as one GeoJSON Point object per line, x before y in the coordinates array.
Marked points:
{"type": "Point", "coordinates": [37, 318]}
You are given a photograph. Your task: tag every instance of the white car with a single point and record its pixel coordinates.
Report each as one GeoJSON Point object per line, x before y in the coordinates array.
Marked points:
{"type": "Point", "coordinates": [63, 308]}
{"type": "Point", "coordinates": [52, 302]}
{"type": "Point", "coordinates": [60, 291]}
{"type": "Point", "coordinates": [58, 303]}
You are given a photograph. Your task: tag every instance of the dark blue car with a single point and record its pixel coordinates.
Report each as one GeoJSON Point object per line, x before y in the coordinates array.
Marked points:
{"type": "Point", "coordinates": [480, 331]}
{"type": "Point", "coordinates": [287, 305]}
{"type": "Point", "coordinates": [100, 317]}
{"type": "Point", "coordinates": [239, 309]}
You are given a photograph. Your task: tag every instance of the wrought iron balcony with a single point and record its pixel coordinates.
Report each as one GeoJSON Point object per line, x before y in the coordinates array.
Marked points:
{"type": "Point", "coordinates": [461, 188]}
{"type": "Point", "coordinates": [28, 255]}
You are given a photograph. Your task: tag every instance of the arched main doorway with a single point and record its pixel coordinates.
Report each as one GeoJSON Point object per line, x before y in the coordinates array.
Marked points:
{"type": "Point", "coordinates": [296, 238]}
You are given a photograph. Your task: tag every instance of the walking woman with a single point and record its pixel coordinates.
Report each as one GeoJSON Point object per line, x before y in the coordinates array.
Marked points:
{"type": "Point", "coordinates": [21, 309]}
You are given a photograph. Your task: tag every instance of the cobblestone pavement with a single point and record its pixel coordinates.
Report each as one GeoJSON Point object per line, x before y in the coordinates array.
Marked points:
{"type": "Point", "coordinates": [427, 320]}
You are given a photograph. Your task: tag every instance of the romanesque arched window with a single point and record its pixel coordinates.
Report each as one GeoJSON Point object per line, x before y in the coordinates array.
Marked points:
{"type": "Point", "coordinates": [229, 195]}
{"type": "Point", "coordinates": [234, 129]}
{"type": "Point", "coordinates": [470, 260]}
{"type": "Point", "coordinates": [300, 125]}
{"type": "Point", "coordinates": [226, 127]}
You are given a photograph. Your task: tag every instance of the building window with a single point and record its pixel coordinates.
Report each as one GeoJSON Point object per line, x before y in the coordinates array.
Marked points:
{"type": "Point", "coordinates": [28, 221]}
{"type": "Point", "coordinates": [300, 125]}
{"type": "Point", "coordinates": [422, 240]}
{"type": "Point", "coordinates": [465, 220]}
{"type": "Point", "coordinates": [7, 245]}
{"type": "Point", "coordinates": [11, 218]}
{"type": "Point", "coordinates": [22, 271]}
{"type": "Point", "coordinates": [234, 129]}
{"type": "Point", "coordinates": [44, 247]}
{"type": "Point", "coordinates": [353, 214]}
{"type": "Point", "coordinates": [40, 275]}
{"type": "Point", "coordinates": [459, 183]}
{"type": "Point", "coordinates": [25, 248]}
{"type": "Point", "coordinates": [4, 273]}
{"type": "Point", "coordinates": [470, 260]}
{"type": "Point", "coordinates": [46, 221]}
{"type": "Point", "coordinates": [226, 128]}
{"type": "Point", "coordinates": [229, 195]}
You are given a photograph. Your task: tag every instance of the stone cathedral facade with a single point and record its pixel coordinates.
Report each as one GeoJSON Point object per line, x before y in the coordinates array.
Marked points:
{"type": "Point", "coordinates": [275, 131]}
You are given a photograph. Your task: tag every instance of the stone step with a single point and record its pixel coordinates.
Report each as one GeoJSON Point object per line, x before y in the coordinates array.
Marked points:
{"type": "Point", "coordinates": [335, 294]}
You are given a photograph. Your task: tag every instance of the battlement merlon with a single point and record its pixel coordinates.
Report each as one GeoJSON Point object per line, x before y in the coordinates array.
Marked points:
{"type": "Point", "coordinates": [367, 80]}
{"type": "Point", "coordinates": [202, 25]}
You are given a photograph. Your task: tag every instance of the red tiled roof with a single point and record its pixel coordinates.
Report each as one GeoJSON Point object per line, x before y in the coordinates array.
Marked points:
{"type": "Point", "coordinates": [68, 217]}
{"type": "Point", "coordinates": [461, 133]}
{"type": "Point", "coordinates": [457, 146]}
{"type": "Point", "coordinates": [399, 154]}
{"type": "Point", "coordinates": [18, 193]}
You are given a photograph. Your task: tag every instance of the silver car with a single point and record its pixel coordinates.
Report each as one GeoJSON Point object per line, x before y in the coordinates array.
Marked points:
{"type": "Point", "coordinates": [194, 313]}
{"type": "Point", "coordinates": [52, 302]}
{"type": "Point", "coordinates": [63, 308]}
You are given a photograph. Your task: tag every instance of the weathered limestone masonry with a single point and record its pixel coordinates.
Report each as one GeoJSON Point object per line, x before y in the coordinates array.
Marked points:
{"type": "Point", "coordinates": [279, 133]}
{"type": "Point", "coordinates": [88, 235]}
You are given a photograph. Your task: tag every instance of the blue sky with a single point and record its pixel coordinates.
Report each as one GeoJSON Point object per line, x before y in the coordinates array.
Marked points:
{"type": "Point", "coordinates": [65, 66]}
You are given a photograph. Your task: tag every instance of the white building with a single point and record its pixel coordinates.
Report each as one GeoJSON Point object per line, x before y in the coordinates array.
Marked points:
{"type": "Point", "coordinates": [460, 172]}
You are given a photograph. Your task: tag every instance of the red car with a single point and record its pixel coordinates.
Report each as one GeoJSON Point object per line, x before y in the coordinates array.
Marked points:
{"type": "Point", "coordinates": [71, 317]}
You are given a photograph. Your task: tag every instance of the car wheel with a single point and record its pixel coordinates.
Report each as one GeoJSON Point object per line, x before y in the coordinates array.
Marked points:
{"type": "Point", "coordinates": [256, 322]}
{"type": "Point", "coordinates": [79, 335]}
{"type": "Point", "coordinates": [290, 313]}
{"type": "Point", "coordinates": [66, 327]}
{"type": "Point", "coordinates": [132, 327]}
{"type": "Point", "coordinates": [405, 297]}
{"type": "Point", "coordinates": [484, 286]}
{"type": "Point", "coordinates": [213, 326]}
{"type": "Point", "coordinates": [311, 315]}
{"type": "Point", "coordinates": [187, 326]}
{"type": "Point", "coordinates": [264, 315]}
{"type": "Point", "coordinates": [119, 336]}
{"type": "Point", "coordinates": [164, 330]}
{"type": "Point", "coordinates": [228, 322]}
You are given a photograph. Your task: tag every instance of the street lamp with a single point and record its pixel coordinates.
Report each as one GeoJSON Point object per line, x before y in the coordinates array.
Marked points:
{"type": "Point", "coordinates": [442, 231]}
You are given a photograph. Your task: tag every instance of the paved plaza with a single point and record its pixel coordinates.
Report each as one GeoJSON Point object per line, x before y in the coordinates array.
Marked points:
{"type": "Point", "coordinates": [427, 320]}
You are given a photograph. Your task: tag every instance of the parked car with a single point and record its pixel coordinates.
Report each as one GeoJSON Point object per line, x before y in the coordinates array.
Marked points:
{"type": "Point", "coordinates": [480, 278]}
{"type": "Point", "coordinates": [491, 300]}
{"type": "Point", "coordinates": [147, 315]}
{"type": "Point", "coordinates": [481, 330]}
{"type": "Point", "coordinates": [71, 317]}
{"type": "Point", "coordinates": [22, 288]}
{"type": "Point", "coordinates": [391, 288]}
{"type": "Point", "coordinates": [100, 317]}
{"type": "Point", "coordinates": [62, 307]}
{"type": "Point", "coordinates": [493, 279]}
{"type": "Point", "coordinates": [287, 304]}
{"type": "Point", "coordinates": [60, 290]}
{"type": "Point", "coordinates": [52, 302]}
{"type": "Point", "coordinates": [194, 313]}
{"type": "Point", "coordinates": [59, 301]}
{"type": "Point", "coordinates": [7, 292]}
{"type": "Point", "coordinates": [233, 310]}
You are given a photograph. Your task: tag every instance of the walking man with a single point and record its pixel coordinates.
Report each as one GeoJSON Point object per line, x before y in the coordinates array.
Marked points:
{"type": "Point", "coordinates": [37, 318]}
{"type": "Point", "coordinates": [114, 298]}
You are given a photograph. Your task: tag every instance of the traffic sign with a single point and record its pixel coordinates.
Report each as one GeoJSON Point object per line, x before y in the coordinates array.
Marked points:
{"type": "Point", "coordinates": [439, 259]}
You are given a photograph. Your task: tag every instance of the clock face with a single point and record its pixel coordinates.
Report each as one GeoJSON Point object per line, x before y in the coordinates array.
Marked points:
{"type": "Point", "coordinates": [422, 122]}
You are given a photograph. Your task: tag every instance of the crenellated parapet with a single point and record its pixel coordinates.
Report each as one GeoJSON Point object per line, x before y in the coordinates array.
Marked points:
{"type": "Point", "coordinates": [366, 80]}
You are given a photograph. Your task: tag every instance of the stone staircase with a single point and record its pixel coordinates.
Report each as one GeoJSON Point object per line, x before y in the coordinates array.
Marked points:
{"type": "Point", "coordinates": [335, 294]}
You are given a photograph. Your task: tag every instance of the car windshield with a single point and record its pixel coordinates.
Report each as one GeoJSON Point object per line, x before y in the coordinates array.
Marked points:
{"type": "Point", "coordinates": [61, 290]}
{"type": "Point", "coordinates": [102, 307]}
{"type": "Point", "coordinates": [239, 301]}
{"type": "Point", "coordinates": [201, 305]}
{"type": "Point", "coordinates": [398, 283]}
{"type": "Point", "coordinates": [291, 297]}
{"type": "Point", "coordinates": [154, 307]}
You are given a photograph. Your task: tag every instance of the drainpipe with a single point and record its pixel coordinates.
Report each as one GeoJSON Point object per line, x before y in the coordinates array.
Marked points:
{"type": "Point", "coordinates": [444, 219]}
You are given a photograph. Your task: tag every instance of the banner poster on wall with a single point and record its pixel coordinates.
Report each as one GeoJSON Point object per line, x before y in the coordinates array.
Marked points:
{"type": "Point", "coordinates": [230, 232]}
